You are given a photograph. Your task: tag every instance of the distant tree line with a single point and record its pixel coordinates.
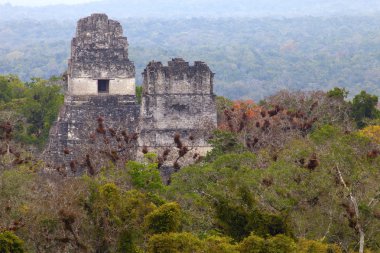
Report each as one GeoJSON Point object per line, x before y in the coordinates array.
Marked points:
{"type": "Point", "coordinates": [252, 58]}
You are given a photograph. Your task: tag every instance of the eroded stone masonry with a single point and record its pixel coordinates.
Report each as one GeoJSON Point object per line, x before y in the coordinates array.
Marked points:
{"type": "Point", "coordinates": [177, 99]}
{"type": "Point", "coordinates": [99, 59]}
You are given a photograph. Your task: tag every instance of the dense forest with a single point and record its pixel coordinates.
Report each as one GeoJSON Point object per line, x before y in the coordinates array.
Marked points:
{"type": "Point", "coordinates": [194, 8]}
{"type": "Point", "coordinates": [296, 173]}
{"type": "Point", "coordinates": [252, 57]}
{"type": "Point", "coordinates": [295, 164]}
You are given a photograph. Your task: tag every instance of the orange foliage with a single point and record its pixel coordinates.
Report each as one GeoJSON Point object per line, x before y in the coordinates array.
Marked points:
{"type": "Point", "coordinates": [257, 125]}
{"type": "Point", "coordinates": [251, 113]}
{"type": "Point", "coordinates": [240, 115]}
{"type": "Point", "coordinates": [237, 105]}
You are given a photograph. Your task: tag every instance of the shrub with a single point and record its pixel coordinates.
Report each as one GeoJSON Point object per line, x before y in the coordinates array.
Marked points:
{"type": "Point", "coordinates": [235, 161]}
{"type": "Point", "coordinates": [127, 243]}
{"type": "Point", "coordinates": [308, 246]}
{"type": "Point", "coordinates": [217, 244]}
{"type": "Point", "coordinates": [364, 106]}
{"type": "Point", "coordinates": [145, 176]}
{"type": "Point", "coordinates": [232, 219]}
{"type": "Point", "coordinates": [238, 222]}
{"type": "Point", "coordinates": [252, 244]}
{"type": "Point", "coordinates": [334, 249]}
{"type": "Point", "coordinates": [371, 132]}
{"type": "Point", "coordinates": [280, 244]}
{"type": "Point", "coordinates": [174, 243]}
{"type": "Point", "coordinates": [165, 219]}
{"type": "Point", "coordinates": [10, 243]}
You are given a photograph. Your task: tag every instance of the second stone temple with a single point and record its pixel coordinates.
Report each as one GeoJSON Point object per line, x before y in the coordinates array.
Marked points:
{"type": "Point", "coordinates": [177, 99]}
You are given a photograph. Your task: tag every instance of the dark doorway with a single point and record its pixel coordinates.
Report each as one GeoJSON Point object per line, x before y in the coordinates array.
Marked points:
{"type": "Point", "coordinates": [103, 86]}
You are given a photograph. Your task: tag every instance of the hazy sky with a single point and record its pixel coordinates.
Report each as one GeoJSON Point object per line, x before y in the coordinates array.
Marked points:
{"type": "Point", "coordinates": [43, 2]}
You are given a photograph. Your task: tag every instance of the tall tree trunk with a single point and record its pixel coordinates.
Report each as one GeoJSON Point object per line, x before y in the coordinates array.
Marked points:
{"type": "Point", "coordinates": [356, 207]}
{"type": "Point", "coordinates": [361, 248]}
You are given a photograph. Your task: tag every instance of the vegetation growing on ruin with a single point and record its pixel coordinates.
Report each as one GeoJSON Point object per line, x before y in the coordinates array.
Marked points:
{"type": "Point", "coordinates": [297, 172]}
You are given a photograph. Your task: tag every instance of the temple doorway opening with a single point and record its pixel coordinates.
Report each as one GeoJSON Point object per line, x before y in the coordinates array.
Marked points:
{"type": "Point", "coordinates": [103, 86]}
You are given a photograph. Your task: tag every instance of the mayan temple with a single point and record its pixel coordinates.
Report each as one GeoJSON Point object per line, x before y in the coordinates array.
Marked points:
{"type": "Point", "coordinates": [99, 61]}
{"type": "Point", "coordinates": [177, 99]}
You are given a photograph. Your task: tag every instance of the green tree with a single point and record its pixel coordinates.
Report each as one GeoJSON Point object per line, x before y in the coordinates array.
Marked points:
{"type": "Point", "coordinates": [280, 244]}
{"type": "Point", "coordinates": [10, 243]}
{"type": "Point", "coordinates": [338, 93]}
{"type": "Point", "coordinates": [40, 109]}
{"type": "Point", "coordinates": [127, 243]}
{"type": "Point", "coordinates": [165, 219]}
{"type": "Point", "coordinates": [139, 91]}
{"type": "Point", "coordinates": [11, 87]}
{"type": "Point", "coordinates": [308, 246]}
{"type": "Point", "coordinates": [117, 216]}
{"type": "Point", "coordinates": [364, 107]}
{"type": "Point", "coordinates": [331, 173]}
{"type": "Point", "coordinates": [174, 243]}
{"type": "Point", "coordinates": [219, 244]}
{"type": "Point", "coordinates": [145, 176]}
{"type": "Point", "coordinates": [302, 183]}
{"type": "Point", "coordinates": [252, 244]}
{"type": "Point", "coordinates": [224, 142]}
{"type": "Point", "coordinates": [238, 221]}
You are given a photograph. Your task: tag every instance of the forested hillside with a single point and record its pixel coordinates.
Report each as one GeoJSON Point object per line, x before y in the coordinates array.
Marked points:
{"type": "Point", "coordinates": [252, 58]}
{"type": "Point", "coordinates": [297, 173]}
{"type": "Point", "coordinates": [194, 8]}
{"type": "Point", "coordinates": [295, 163]}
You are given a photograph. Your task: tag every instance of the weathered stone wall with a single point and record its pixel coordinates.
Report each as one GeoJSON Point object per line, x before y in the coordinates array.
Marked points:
{"type": "Point", "coordinates": [177, 98]}
{"type": "Point", "coordinates": [78, 120]}
{"type": "Point", "coordinates": [178, 78]}
{"type": "Point", "coordinates": [99, 51]}
{"type": "Point", "coordinates": [89, 86]}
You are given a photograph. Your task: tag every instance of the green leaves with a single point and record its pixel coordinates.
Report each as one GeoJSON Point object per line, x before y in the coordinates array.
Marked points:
{"type": "Point", "coordinates": [165, 219]}
{"type": "Point", "coordinates": [252, 244]}
{"type": "Point", "coordinates": [364, 106]}
{"type": "Point", "coordinates": [10, 88]}
{"type": "Point", "coordinates": [238, 222]}
{"type": "Point", "coordinates": [33, 107]}
{"type": "Point", "coordinates": [280, 244]}
{"type": "Point", "coordinates": [324, 134]}
{"type": "Point", "coordinates": [338, 93]}
{"type": "Point", "coordinates": [174, 243]}
{"type": "Point", "coordinates": [236, 161]}
{"type": "Point", "coordinates": [145, 176]}
{"type": "Point", "coordinates": [139, 91]}
{"type": "Point", "coordinates": [224, 142]}
{"type": "Point", "coordinates": [40, 110]}
{"type": "Point", "coordinates": [10, 243]}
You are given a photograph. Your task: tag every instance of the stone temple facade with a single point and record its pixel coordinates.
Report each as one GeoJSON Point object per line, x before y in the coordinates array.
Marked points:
{"type": "Point", "coordinates": [99, 59]}
{"type": "Point", "coordinates": [177, 99]}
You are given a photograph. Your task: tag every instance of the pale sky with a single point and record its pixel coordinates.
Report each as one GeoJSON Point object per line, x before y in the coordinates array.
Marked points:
{"type": "Point", "coordinates": [43, 2]}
